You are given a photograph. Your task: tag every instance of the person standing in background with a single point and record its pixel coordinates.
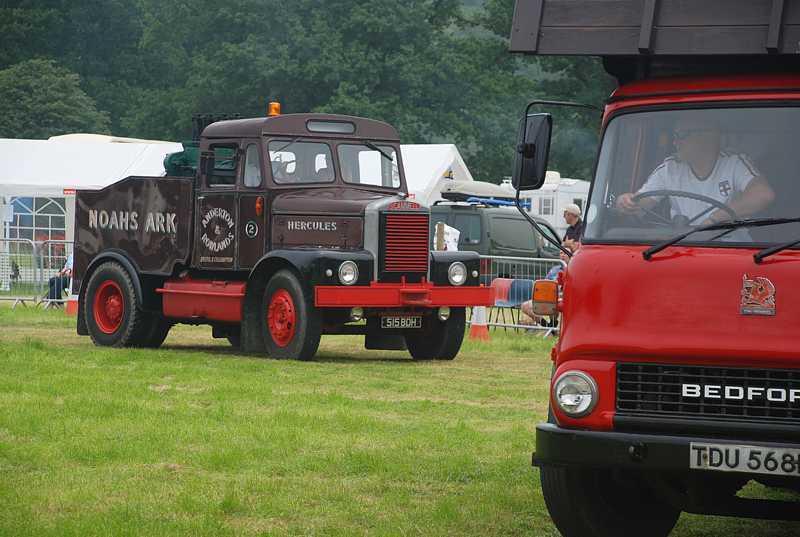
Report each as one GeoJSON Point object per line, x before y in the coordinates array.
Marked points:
{"type": "Point", "coordinates": [572, 215]}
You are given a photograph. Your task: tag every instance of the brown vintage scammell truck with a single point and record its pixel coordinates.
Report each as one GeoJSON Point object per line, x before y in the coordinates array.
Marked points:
{"type": "Point", "coordinates": [289, 227]}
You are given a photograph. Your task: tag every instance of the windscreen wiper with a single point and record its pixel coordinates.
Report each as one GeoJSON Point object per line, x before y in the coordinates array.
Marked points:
{"type": "Point", "coordinates": [730, 225]}
{"type": "Point", "coordinates": [374, 147]}
{"type": "Point", "coordinates": [766, 252]}
{"type": "Point", "coordinates": [292, 142]}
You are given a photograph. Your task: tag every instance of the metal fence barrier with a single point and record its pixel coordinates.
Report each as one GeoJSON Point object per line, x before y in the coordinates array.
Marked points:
{"type": "Point", "coordinates": [510, 317]}
{"type": "Point", "coordinates": [20, 278]}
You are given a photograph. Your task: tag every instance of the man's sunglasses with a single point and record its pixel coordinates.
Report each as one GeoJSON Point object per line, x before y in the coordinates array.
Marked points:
{"type": "Point", "coordinates": [682, 134]}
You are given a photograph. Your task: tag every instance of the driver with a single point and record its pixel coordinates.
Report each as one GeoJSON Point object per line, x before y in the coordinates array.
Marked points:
{"type": "Point", "coordinates": [699, 166]}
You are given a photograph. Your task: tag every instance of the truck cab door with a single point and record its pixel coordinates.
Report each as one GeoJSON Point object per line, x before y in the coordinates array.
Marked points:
{"type": "Point", "coordinates": [216, 214]}
{"type": "Point", "coordinates": [252, 230]}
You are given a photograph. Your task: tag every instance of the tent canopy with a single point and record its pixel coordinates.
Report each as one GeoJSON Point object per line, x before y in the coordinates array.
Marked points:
{"type": "Point", "coordinates": [45, 168]}
{"type": "Point", "coordinates": [429, 167]}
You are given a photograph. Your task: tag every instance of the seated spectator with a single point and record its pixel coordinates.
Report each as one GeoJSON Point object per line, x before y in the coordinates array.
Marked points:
{"type": "Point", "coordinates": [60, 281]}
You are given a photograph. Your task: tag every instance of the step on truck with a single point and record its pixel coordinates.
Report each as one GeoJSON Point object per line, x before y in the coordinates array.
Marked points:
{"type": "Point", "coordinates": [274, 231]}
{"type": "Point", "coordinates": [676, 376]}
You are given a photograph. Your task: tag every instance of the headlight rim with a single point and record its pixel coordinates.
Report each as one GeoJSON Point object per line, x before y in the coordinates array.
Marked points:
{"type": "Point", "coordinates": [450, 274]}
{"type": "Point", "coordinates": [593, 390]}
{"type": "Point", "coordinates": [355, 272]}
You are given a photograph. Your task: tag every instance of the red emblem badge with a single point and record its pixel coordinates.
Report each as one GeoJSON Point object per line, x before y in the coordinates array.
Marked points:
{"type": "Point", "coordinates": [758, 296]}
{"type": "Point", "coordinates": [403, 205]}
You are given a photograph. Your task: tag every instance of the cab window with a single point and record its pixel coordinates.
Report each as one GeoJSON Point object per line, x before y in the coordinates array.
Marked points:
{"type": "Point", "coordinates": [294, 162]}
{"type": "Point", "coordinates": [513, 234]}
{"type": "Point", "coordinates": [375, 166]}
{"type": "Point", "coordinates": [469, 227]}
{"type": "Point", "coordinates": [549, 249]}
{"type": "Point", "coordinates": [222, 171]}
{"type": "Point", "coordinates": [252, 167]}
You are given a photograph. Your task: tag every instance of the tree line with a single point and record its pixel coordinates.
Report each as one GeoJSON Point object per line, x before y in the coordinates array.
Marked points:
{"type": "Point", "coordinates": [438, 70]}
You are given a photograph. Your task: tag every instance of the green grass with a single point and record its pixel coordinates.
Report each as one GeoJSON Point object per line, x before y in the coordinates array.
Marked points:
{"type": "Point", "coordinates": [194, 439]}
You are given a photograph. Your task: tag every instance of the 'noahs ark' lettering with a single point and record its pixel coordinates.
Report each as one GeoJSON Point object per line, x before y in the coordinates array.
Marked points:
{"type": "Point", "coordinates": [129, 221]}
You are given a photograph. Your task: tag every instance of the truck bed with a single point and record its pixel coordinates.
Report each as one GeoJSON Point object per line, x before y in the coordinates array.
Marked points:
{"type": "Point", "coordinates": [660, 27]}
{"type": "Point", "coordinates": [148, 218]}
{"type": "Point", "coordinates": [650, 38]}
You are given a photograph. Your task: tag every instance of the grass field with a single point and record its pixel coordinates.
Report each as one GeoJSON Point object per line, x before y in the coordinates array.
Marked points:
{"type": "Point", "coordinates": [194, 439]}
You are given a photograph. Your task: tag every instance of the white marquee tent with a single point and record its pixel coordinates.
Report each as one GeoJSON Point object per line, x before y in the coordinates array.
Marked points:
{"type": "Point", "coordinates": [430, 168]}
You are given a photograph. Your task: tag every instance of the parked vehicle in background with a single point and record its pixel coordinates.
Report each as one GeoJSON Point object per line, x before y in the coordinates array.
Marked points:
{"type": "Point", "coordinates": [499, 232]}
{"type": "Point", "coordinates": [285, 228]}
{"type": "Point", "coordinates": [676, 376]}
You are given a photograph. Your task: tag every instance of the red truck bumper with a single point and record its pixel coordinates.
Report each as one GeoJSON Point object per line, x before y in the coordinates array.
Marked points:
{"type": "Point", "coordinates": [390, 295]}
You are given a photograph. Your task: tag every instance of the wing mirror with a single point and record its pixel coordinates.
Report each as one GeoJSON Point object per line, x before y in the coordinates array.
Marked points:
{"type": "Point", "coordinates": [533, 150]}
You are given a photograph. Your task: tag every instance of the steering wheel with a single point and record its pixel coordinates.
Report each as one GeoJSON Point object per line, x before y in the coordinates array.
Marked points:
{"type": "Point", "coordinates": [659, 220]}
{"type": "Point", "coordinates": [280, 170]}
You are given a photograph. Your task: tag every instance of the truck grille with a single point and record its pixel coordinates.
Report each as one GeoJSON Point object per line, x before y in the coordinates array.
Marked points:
{"type": "Point", "coordinates": [406, 242]}
{"type": "Point", "coordinates": [658, 391]}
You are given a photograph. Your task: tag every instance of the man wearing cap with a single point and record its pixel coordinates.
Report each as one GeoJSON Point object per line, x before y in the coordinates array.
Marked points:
{"type": "Point", "coordinates": [572, 215]}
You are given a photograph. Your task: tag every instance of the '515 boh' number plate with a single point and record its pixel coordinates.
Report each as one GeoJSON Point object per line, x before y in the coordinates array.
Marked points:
{"type": "Point", "coordinates": [746, 459]}
{"type": "Point", "coordinates": [402, 322]}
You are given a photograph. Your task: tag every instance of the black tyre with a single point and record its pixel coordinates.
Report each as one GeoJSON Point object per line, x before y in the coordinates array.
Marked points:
{"type": "Point", "coordinates": [438, 340]}
{"type": "Point", "coordinates": [153, 332]}
{"type": "Point", "coordinates": [292, 326]}
{"type": "Point", "coordinates": [112, 310]}
{"type": "Point", "coordinates": [605, 503]}
{"type": "Point", "coordinates": [235, 339]}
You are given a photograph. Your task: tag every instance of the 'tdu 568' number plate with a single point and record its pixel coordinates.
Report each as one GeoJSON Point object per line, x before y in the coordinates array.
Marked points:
{"type": "Point", "coordinates": [401, 321]}
{"type": "Point", "coordinates": [747, 459]}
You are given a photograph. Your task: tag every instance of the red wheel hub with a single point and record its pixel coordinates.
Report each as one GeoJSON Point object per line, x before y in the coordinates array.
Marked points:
{"type": "Point", "coordinates": [281, 317]}
{"type": "Point", "coordinates": [109, 307]}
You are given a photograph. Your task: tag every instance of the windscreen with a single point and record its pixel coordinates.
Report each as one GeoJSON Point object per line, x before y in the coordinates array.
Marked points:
{"type": "Point", "coordinates": [663, 173]}
{"type": "Point", "coordinates": [294, 162]}
{"type": "Point", "coordinates": [375, 166]}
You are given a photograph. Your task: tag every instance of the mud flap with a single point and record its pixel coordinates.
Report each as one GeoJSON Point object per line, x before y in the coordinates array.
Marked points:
{"type": "Point", "coordinates": [252, 339]}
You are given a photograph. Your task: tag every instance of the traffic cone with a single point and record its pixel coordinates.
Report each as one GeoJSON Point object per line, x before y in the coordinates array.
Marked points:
{"type": "Point", "coordinates": [478, 328]}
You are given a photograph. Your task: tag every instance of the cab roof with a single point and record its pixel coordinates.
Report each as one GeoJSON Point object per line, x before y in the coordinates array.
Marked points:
{"type": "Point", "coordinates": [298, 125]}
{"type": "Point", "coordinates": [761, 83]}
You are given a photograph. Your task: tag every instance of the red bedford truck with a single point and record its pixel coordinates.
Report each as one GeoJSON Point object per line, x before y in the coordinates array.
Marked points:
{"type": "Point", "coordinates": [676, 377]}
{"type": "Point", "coordinates": [274, 231]}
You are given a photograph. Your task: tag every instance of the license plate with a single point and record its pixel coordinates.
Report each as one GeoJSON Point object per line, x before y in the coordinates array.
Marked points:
{"type": "Point", "coordinates": [402, 322]}
{"type": "Point", "coordinates": [746, 459]}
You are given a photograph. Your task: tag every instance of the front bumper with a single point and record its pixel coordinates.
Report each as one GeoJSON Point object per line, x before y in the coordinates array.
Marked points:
{"type": "Point", "coordinates": [571, 447]}
{"type": "Point", "coordinates": [390, 295]}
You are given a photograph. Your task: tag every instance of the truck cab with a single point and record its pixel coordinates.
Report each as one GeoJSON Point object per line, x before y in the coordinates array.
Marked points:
{"type": "Point", "coordinates": [502, 237]}
{"type": "Point", "coordinates": [274, 231]}
{"type": "Point", "coordinates": [676, 378]}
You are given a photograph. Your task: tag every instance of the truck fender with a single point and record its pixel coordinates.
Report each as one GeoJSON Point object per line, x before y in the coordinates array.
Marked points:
{"type": "Point", "coordinates": [108, 255]}
{"type": "Point", "coordinates": [440, 262]}
{"type": "Point", "coordinates": [311, 265]}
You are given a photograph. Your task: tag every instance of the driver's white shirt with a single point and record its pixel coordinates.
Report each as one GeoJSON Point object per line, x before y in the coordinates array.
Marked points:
{"type": "Point", "coordinates": [731, 175]}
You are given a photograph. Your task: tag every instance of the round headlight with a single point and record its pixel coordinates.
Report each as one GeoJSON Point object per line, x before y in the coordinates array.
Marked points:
{"type": "Point", "coordinates": [457, 273]}
{"type": "Point", "coordinates": [575, 393]}
{"type": "Point", "coordinates": [348, 272]}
